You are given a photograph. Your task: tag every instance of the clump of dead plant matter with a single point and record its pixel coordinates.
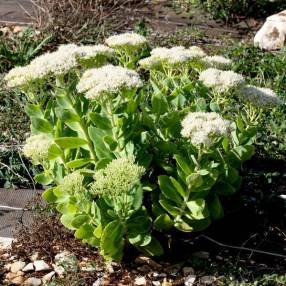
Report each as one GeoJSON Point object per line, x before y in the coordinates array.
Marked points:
{"type": "Point", "coordinates": [84, 20]}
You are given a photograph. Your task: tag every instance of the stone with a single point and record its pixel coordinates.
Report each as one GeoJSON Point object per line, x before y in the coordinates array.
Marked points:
{"type": "Point", "coordinates": [190, 280]}
{"type": "Point", "coordinates": [140, 281]}
{"type": "Point", "coordinates": [67, 260]}
{"type": "Point", "coordinates": [28, 267]}
{"type": "Point", "coordinates": [156, 283]}
{"type": "Point", "coordinates": [48, 277]}
{"type": "Point", "coordinates": [99, 282]}
{"type": "Point", "coordinates": [41, 265]}
{"type": "Point", "coordinates": [17, 29]}
{"type": "Point", "coordinates": [7, 267]}
{"type": "Point", "coordinates": [87, 266]}
{"type": "Point", "coordinates": [188, 270]}
{"type": "Point", "coordinates": [17, 280]}
{"type": "Point", "coordinates": [159, 275]}
{"type": "Point", "coordinates": [272, 35]}
{"type": "Point", "coordinates": [17, 266]}
{"type": "Point", "coordinates": [59, 270]}
{"type": "Point", "coordinates": [109, 268]}
{"type": "Point", "coordinates": [208, 280]}
{"type": "Point", "coordinates": [147, 260]}
{"type": "Point", "coordinates": [10, 275]}
{"type": "Point", "coordinates": [32, 281]}
{"type": "Point", "coordinates": [35, 256]}
{"type": "Point", "coordinates": [166, 283]}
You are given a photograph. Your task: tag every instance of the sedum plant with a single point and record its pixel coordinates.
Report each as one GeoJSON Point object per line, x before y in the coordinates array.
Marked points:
{"type": "Point", "coordinates": [132, 146]}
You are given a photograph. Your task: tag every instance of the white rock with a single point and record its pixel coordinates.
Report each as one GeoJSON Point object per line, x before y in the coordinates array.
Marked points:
{"type": "Point", "coordinates": [17, 266]}
{"type": "Point", "coordinates": [59, 270]}
{"type": "Point", "coordinates": [68, 260]}
{"type": "Point", "coordinates": [156, 283]}
{"type": "Point", "coordinates": [41, 265]}
{"type": "Point", "coordinates": [190, 280]}
{"type": "Point", "coordinates": [272, 35]}
{"type": "Point", "coordinates": [32, 281]}
{"type": "Point", "coordinates": [87, 267]}
{"type": "Point", "coordinates": [7, 266]}
{"type": "Point", "coordinates": [208, 280]}
{"type": "Point", "coordinates": [35, 256]}
{"type": "Point", "coordinates": [98, 282]}
{"type": "Point", "coordinates": [48, 277]}
{"type": "Point", "coordinates": [17, 280]}
{"type": "Point", "coordinates": [188, 270]}
{"type": "Point", "coordinates": [140, 281]}
{"type": "Point", "coordinates": [5, 242]}
{"type": "Point", "coordinates": [28, 267]}
{"type": "Point", "coordinates": [10, 275]}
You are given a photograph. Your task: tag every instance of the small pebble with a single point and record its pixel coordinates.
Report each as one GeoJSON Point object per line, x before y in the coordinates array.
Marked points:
{"type": "Point", "coordinates": [48, 276]}
{"type": "Point", "coordinates": [190, 280]}
{"type": "Point", "coordinates": [28, 267]}
{"type": "Point", "coordinates": [32, 281]}
{"type": "Point", "coordinates": [41, 265]}
{"type": "Point", "coordinates": [17, 266]}
{"type": "Point", "coordinates": [140, 281]}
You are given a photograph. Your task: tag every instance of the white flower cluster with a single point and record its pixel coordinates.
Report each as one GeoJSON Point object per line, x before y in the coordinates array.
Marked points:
{"type": "Point", "coordinates": [173, 56]}
{"type": "Point", "coordinates": [108, 79]}
{"type": "Point", "coordinates": [55, 63]}
{"type": "Point", "coordinates": [72, 182]}
{"type": "Point", "coordinates": [18, 76]}
{"type": "Point", "coordinates": [126, 41]}
{"type": "Point", "coordinates": [37, 147]}
{"type": "Point", "coordinates": [221, 81]}
{"type": "Point", "coordinates": [219, 62]}
{"type": "Point", "coordinates": [264, 97]}
{"type": "Point", "coordinates": [204, 127]}
{"type": "Point", "coordinates": [119, 177]}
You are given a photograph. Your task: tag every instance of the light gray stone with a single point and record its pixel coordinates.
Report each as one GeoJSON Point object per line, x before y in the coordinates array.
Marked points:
{"type": "Point", "coordinates": [140, 281]}
{"type": "Point", "coordinates": [67, 260]}
{"type": "Point", "coordinates": [32, 281]}
{"type": "Point", "coordinates": [190, 280]}
{"type": "Point", "coordinates": [41, 265]}
{"type": "Point", "coordinates": [17, 266]}
{"type": "Point", "coordinates": [48, 277]}
{"type": "Point", "coordinates": [272, 35]}
{"type": "Point", "coordinates": [28, 267]}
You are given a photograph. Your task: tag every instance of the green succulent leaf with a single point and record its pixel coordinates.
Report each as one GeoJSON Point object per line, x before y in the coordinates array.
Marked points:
{"type": "Point", "coordinates": [70, 142]}
{"type": "Point", "coordinates": [163, 223]}
{"type": "Point", "coordinates": [112, 241]}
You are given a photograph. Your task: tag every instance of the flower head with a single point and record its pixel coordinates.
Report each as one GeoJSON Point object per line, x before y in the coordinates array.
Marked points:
{"type": "Point", "coordinates": [217, 62]}
{"type": "Point", "coordinates": [18, 76]}
{"type": "Point", "coordinates": [37, 147]}
{"type": "Point", "coordinates": [55, 63]}
{"type": "Point", "coordinates": [126, 41]}
{"type": "Point", "coordinates": [108, 79]}
{"type": "Point", "coordinates": [197, 52]}
{"type": "Point", "coordinates": [119, 177]}
{"type": "Point", "coordinates": [259, 96]}
{"type": "Point", "coordinates": [92, 52]}
{"type": "Point", "coordinates": [204, 127]}
{"type": "Point", "coordinates": [221, 81]}
{"type": "Point", "coordinates": [72, 182]}
{"type": "Point", "coordinates": [172, 57]}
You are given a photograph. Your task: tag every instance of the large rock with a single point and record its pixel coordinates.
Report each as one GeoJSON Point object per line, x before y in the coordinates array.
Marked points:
{"type": "Point", "coordinates": [272, 35]}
